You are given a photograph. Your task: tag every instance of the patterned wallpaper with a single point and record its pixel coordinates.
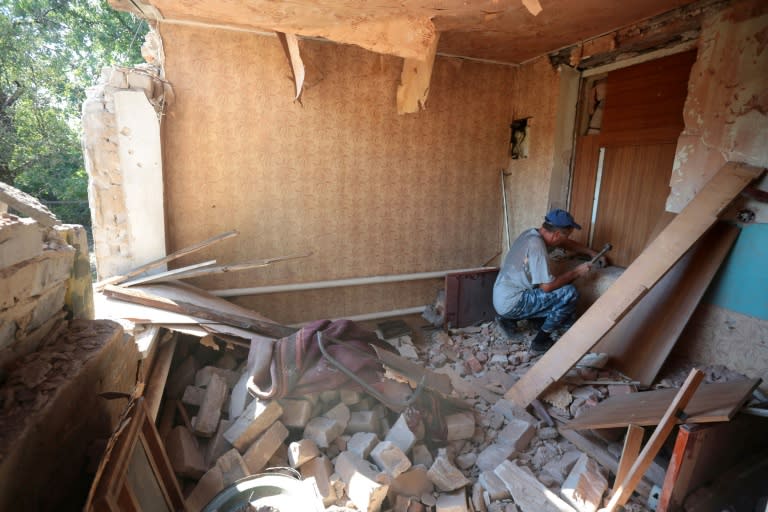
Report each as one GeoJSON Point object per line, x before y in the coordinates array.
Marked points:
{"type": "Point", "coordinates": [340, 174]}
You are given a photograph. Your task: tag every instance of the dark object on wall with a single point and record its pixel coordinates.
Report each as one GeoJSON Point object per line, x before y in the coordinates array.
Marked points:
{"type": "Point", "coordinates": [469, 297]}
{"type": "Point", "coordinates": [518, 144]}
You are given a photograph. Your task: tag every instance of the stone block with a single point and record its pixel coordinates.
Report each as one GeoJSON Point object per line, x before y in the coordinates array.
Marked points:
{"type": "Point", "coordinates": [558, 468]}
{"type": "Point", "coordinates": [323, 430]}
{"type": "Point", "coordinates": [413, 483]}
{"type": "Point", "coordinates": [512, 411]}
{"type": "Point", "coordinates": [256, 418]}
{"type": "Point", "coordinates": [517, 433]}
{"type": "Point", "coordinates": [493, 485]}
{"type": "Point", "coordinates": [421, 455]}
{"type": "Point", "coordinates": [181, 377]}
{"type": "Point", "coordinates": [349, 397]}
{"type": "Point", "coordinates": [296, 413]}
{"type": "Point", "coordinates": [193, 396]}
{"type": "Point", "coordinates": [217, 445]}
{"type": "Point", "coordinates": [207, 487]}
{"type": "Point", "coordinates": [493, 455]}
{"type": "Point", "coordinates": [366, 486]}
{"type": "Point", "coordinates": [265, 446]}
{"type": "Point", "coordinates": [362, 421]}
{"type": "Point", "coordinates": [209, 414]}
{"type": "Point", "coordinates": [444, 474]}
{"type": "Point", "coordinates": [232, 467]}
{"type": "Point", "coordinates": [460, 426]}
{"type": "Point", "coordinates": [466, 460]}
{"type": "Point", "coordinates": [476, 499]}
{"type": "Point", "coordinates": [22, 319]}
{"type": "Point", "coordinates": [279, 459]}
{"type": "Point", "coordinates": [184, 453]}
{"type": "Point", "coordinates": [390, 458]}
{"type": "Point", "coordinates": [238, 399]}
{"type": "Point", "coordinates": [21, 239]}
{"type": "Point", "coordinates": [203, 376]}
{"type": "Point", "coordinates": [320, 470]}
{"type": "Point", "coordinates": [31, 277]}
{"type": "Point", "coordinates": [302, 451]}
{"type": "Point", "coordinates": [585, 485]}
{"type": "Point", "coordinates": [401, 435]}
{"type": "Point", "coordinates": [452, 502]}
{"type": "Point", "coordinates": [362, 443]}
{"type": "Point", "coordinates": [339, 413]}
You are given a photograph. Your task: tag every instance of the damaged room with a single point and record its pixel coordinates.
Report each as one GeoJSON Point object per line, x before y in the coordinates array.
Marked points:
{"type": "Point", "coordinates": [426, 256]}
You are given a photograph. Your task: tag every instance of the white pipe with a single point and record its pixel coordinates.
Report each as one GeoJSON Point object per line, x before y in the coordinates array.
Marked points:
{"type": "Point", "coordinates": [355, 281]}
{"type": "Point", "coordinates": [379, 314]}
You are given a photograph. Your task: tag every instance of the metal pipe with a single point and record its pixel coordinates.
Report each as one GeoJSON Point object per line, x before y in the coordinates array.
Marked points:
{"type": "Point", "coordinates": [355, 281]}
{"type": "Point", "coordinates": [506, 214]}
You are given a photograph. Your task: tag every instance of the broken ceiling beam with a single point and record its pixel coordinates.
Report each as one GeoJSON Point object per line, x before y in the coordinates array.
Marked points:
{"type": "Point", "coordinates": [165, 259]}
{"type": "Point", "coordinates": [415, 77]}
{"type": "Point", "coordinates": [222, 269]}
{"type": "Point", "coordinates": [188, 300]}
{"type": "Point", "coordinates": [290, 45]}
{"type": "Point", "coordinates": [170, 275]}
{"type": "Point", "coordinates": [715, 402]}
{"type": "Point", "coordinates": [649, 267]}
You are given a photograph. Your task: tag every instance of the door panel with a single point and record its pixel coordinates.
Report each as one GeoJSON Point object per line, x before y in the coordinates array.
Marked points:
{"type": "Point", "coordinates": [633, 191]}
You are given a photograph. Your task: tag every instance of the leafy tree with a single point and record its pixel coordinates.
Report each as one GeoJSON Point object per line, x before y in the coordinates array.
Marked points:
{"type": "Point", "coordinates": [50, 52]}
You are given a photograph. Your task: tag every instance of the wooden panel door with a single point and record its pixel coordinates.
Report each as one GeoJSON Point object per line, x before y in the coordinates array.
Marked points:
{"type": "Point", "coordinates": [633, 191]}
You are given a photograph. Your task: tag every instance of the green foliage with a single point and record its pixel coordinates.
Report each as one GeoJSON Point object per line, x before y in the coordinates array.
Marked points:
{"type": "Point", "coordinates": [50, 52]}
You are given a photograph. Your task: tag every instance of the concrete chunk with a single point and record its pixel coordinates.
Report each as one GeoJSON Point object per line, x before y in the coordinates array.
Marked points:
{"type": "Point", "coordinates": [323, 431]}
{"type": "Point", "coordinates": [362, 443]}
{"type": "Point", "coordinates": [444, 474]}
{"type": "Point", "coordinates": [390, 458]}
{"type": "Point", "coordinates": [413, 483]}
{"type": "Point", "coordinates": [203, 376]}
{"type": "Point", "coordinates": [401, 435]}
{"type": "Point", "coordinates": [184, 453]}
{"type": "Point", "coordinates": [493, 485]}
{"type": "Point", "coordinates": [320, 470]}
{"type": "Point", "coordinates": [460, 426]}
{"type": "Point", "coordinates": [585, 485]}
{"type": "Point", "coordinates": [340, 413]}
{"type": "Point", "coordinates": [264, 447]}
{"type": "Point", "coordinates": [421, 455]}
{"type": "Point", "coordinates": [300, 452]}
{"type": "Point", "coordinates": [529, 494]}
{"type": "Point", "coordinates": [256, 418]}
{"type": "Point", "coordinates": [31, 277]}
{"type": "Point", "coordinates": [296, 413]}
{"type": "Point", "coordinates": [232, 467]}
{"type": "Point", "coordinates": [362, 421]}
{"type": "Point", "coordinates": [517, 433]}
{"type": "Point", "coordinates": [452, 502]}
{"type": "Point", "coordinates": [210, 410]}
{"type": "Point", "coordinates": [494, 455]}
{"type": "Point", "coordinates": [217, 445]}
{"type": "Point", "coordinates": [21, 239]}
{"type": "Point", "coordinates": [512, 411]}
{"type": "Point", "coordinates": [207, 487]}
{"type": "Point", "coordinates": [366, 486]}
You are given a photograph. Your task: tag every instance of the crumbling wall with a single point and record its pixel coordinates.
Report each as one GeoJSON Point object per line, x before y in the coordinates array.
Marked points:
{"type": "Point", "coordinates": [121, 145]}
{"type": "Point", "coordinates": [42, 278]}
{"type": "Point", "coordinates": [535, 96]}
{"type": "Point", "coordinates": [339, 175]}
{"type": "Point", "coordinates": [726, 111]}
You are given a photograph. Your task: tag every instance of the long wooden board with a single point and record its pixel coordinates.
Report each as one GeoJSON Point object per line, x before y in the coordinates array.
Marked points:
{"type": "Point", "coordinates": [635, 282]}
{"type": "Point", "coordinates": [640, 343]}
{"type": "Point", "coordinates": [711, 402]}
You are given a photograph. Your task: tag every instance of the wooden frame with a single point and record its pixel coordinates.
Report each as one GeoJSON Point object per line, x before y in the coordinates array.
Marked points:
{"type": "Point", "coordinates": [135, 474]}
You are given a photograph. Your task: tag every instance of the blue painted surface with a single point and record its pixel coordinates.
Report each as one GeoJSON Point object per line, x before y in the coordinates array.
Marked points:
{"type": "Point", "coordinates": [741, 285]}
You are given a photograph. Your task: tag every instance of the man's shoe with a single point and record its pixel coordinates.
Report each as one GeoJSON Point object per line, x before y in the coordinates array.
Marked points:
{"type": "Point", "coordinates": [536, 322]}
{"type": "Point", "coordinates": [508, 327]}
{"type": "Point", "coordinates": [541, 342]}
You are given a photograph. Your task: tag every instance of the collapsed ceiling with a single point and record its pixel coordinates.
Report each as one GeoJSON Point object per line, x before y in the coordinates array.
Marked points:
{"type": "Point", "coordinates": [510, 31]}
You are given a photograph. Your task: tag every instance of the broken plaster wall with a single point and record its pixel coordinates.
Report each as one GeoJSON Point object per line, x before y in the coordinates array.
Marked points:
{"type": "Point", "coordinates": [121, 145]}
{"type": "Point", "coordinates": [530, 181]}
{"type": "Point", "coordinates": [726, 119]}
{"type": "Point", "coordinates": [340, 175]}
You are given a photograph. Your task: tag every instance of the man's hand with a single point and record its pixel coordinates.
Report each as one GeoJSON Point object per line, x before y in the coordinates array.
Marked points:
{"type": "Point", "coordinates": [583, 269]}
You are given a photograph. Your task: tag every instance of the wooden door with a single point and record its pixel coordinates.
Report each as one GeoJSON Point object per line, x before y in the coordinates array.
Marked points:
{"type": "Point", "coordinates": [621, 175]}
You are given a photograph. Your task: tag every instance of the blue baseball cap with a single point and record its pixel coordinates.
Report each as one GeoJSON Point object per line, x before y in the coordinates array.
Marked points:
{"type": "Point", "coordinates": [561, 219]}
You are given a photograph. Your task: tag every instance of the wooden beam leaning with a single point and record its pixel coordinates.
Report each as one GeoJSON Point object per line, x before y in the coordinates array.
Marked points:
{"type": "Point", "coordinates": [631, 286]}
{"type": "Point", "coordinates": [632, 444]}
{"type": "Point", "coordinates": [623, 490]}
{"type": "Point", "coordinates": [414, 81]}
{"type": "Point", "coordinates": [177, 305]}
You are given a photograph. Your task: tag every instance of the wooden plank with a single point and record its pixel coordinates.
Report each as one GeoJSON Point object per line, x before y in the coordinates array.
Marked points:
{"type": "Point", "coordinates": [28, 205]}
{"type": "Point", "coordinates": [641, 341]}
{"type": "Point", "coordinates": [415, 77]}
{"type": "Point", "coordinates": [529, 494]}
{"type": "Point", "coordinates": [603, 457]}
{"type": "Point", "coordinates": [193, 301]}
{"type": "Point", "coordinates": [222, 269]}
{"type": "Point", "coordinates": [155, 387]}
{"type": "Point", "coordinates": [632, 444]}
{"type": "Point", "coordinates": [583, 189]}
{"type": "Point", "coordinates": [624, 490]}
{"type": "Point", "coordinates": [166, 259]}
{"type": "Point", "coordinates": [647, 269]}
{"type": "Point", "coordinates": [719, 401]}
{"type": "Point", "coordinates": [168, 276]}
{"type": "Point", "coordinates": [703, 452]}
